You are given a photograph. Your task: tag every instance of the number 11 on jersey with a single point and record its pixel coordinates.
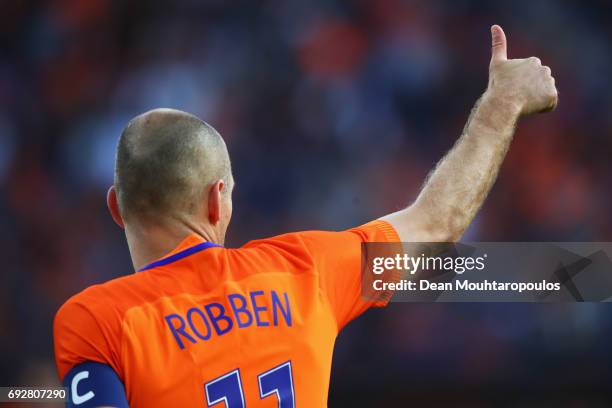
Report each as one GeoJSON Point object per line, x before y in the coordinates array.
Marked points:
{"type": "Point", "coordinates": [276, 381]}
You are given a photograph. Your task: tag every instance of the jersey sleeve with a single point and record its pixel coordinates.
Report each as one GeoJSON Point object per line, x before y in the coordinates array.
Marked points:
{"type": "Point", "coordinates": [336, 258]}
{"type": "Point", "coordinates": [79, 336]}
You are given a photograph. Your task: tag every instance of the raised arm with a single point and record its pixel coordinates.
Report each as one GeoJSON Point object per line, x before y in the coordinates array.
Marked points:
{"type": "Point", "coordinates": [457, 187]}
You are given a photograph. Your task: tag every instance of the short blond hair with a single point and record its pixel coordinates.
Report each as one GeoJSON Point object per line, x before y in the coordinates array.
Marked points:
{"type": "Point", "coordinates": [165, 159]}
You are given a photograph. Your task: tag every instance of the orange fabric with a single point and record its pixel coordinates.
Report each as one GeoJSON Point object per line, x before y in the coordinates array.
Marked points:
{"type": "Point", "coordinates": [300, 289]}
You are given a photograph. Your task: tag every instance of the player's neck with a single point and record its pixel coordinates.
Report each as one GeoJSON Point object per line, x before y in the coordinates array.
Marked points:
{"type": "Point", "coordinates": [150, 243]}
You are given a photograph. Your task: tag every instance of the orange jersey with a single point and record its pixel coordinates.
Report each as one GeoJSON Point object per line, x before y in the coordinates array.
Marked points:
{"type": "Point", "coordinates": [256, 322]}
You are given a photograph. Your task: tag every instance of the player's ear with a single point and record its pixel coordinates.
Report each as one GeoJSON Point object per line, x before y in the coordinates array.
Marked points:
{"type": "Point", "coordinates": [113, 206]}
{"type": "Point", "coordinates": [214, 202]}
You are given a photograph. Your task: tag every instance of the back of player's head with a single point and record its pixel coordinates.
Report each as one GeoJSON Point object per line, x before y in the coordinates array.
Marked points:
{"type": "Point", "coordinates": [165, 160]}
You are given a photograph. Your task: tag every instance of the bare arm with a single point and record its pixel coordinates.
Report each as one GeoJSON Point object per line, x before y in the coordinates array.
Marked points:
{"type": "Point", "coordinates": [457, 187]}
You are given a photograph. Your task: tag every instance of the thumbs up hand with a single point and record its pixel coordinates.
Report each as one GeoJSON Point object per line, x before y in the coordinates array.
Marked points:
{"type": "Point", "coordinates": [525, 83]}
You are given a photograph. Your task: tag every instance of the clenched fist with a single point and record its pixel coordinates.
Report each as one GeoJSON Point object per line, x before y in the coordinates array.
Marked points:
{"type": "Point", "coordinates": [525, 83]}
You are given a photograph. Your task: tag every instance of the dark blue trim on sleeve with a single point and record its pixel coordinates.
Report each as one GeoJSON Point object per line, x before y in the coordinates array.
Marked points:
{"type": "Point", "coordinates": [94, 385]}
{"type": "Point", "coordinates": [180, 255]}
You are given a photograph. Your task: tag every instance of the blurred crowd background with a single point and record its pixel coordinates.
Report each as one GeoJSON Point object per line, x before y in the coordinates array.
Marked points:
{"type": "Point", "coordinates": [334, 112]}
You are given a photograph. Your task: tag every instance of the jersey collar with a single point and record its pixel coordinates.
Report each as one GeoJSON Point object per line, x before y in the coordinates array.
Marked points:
{"type": "Point", "coordinates": [189, 246]}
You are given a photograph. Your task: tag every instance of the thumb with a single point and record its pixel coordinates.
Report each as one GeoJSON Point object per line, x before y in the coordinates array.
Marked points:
{"type": "Point", "coordinates": [499, 50]}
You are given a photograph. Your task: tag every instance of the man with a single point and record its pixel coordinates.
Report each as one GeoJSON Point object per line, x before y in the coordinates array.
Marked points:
{"type": "Point", "coordinates": [203, 325]}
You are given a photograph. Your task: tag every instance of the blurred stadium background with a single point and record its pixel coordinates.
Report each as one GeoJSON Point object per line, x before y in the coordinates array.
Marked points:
{"type": "Point", "coordinates": [334, 112]}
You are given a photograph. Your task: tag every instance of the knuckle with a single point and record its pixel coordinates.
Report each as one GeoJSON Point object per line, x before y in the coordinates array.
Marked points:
{"type": "Point", "coordinates": [551, 101]}
{"type": "Point", "coordinates": [535, 60]}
